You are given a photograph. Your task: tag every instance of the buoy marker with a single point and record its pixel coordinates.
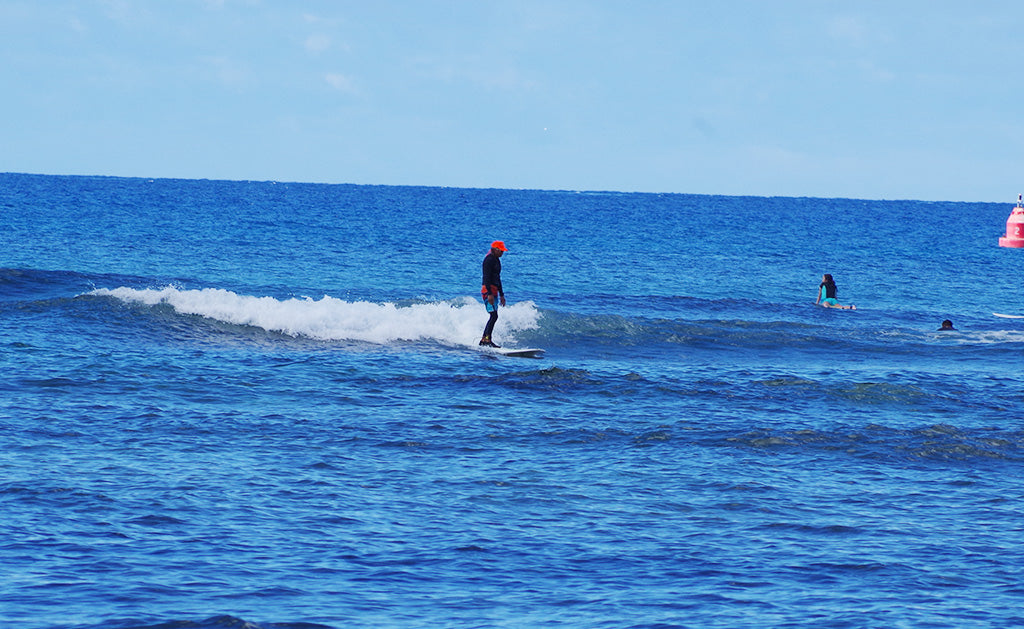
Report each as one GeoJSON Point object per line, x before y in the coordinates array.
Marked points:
{"type": "Point", "coordinates": [1014, 226]}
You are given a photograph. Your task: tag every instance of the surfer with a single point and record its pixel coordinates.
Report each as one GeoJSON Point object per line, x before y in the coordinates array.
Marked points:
{"type": "Point", "coordinates": [947, 325]}
{"type": "Point", "coordinates": [828, 286]}
{"type": "Point", "coordinates": [491, 291]}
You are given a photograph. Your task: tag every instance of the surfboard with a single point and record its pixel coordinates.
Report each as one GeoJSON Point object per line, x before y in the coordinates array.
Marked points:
{"type": "Point", "coordinates": [1008, 316]}
{"type": "Point", "coordinates": [517, 352]}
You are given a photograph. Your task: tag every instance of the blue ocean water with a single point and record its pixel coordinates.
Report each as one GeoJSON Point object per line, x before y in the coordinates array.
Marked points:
{"type": "Point", "coordinates": [260, 404]}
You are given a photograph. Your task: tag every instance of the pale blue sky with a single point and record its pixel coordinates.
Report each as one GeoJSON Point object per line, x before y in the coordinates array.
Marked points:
{"type": "Point", "coordinates": [888, 99]}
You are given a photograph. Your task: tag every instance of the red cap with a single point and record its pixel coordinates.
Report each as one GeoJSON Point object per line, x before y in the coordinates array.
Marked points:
{"type": "Point", "coordinates": [497, 244]}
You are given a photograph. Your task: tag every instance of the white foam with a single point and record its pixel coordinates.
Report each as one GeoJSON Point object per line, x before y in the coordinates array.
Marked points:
{"type": "Point", "coordinates": [456, 322]}
{"type": "Point", "coordinates": [991, 337]}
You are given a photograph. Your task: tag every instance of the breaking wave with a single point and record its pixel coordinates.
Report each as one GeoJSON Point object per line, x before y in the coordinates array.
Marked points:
{"type": "Point", "coordinates": [454, 322]}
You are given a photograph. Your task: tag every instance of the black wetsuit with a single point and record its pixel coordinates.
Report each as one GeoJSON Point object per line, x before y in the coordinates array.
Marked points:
{"type": "Point", "coordinates": [491, 287]}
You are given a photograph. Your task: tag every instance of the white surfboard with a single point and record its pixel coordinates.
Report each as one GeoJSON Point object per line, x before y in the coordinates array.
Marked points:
{"type": "Point", "coordinates": [1008, 316]}
{"type": "Point", "coordinates": [518, 352]}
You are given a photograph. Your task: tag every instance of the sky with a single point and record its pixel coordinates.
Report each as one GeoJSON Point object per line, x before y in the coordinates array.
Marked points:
{"type": "Point", "coordinates": [887, 99]}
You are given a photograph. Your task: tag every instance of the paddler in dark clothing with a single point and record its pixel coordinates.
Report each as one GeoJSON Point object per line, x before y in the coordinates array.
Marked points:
{"type": "Point", "coordinates": [491, 291]}
{"type": "Point", "coordinates": [827, 294]}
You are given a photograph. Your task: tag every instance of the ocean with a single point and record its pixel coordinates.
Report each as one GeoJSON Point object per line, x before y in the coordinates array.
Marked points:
{"type": "Point", "coordinates": [262, 405]}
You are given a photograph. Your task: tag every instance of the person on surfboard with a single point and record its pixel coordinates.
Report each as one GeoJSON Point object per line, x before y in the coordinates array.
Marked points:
{"type": "Point", "coordinates": [828, 286]}
{"type": "Point", "coordinates": [491, 291]}
{"type": "Point", "coordinates": [947, 325]}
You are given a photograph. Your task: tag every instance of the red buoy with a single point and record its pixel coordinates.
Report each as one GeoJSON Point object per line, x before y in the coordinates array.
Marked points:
{"type": "Point", "coordinates": [1014, 227]}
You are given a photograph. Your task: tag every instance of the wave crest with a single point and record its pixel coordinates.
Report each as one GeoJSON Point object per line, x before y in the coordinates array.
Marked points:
{"type": "Point", "coordinates": [455, 322]}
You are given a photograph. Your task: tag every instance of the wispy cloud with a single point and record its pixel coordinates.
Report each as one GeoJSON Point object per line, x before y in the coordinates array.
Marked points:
{"type": "Point", "coordinates": [848, 29]}
{"type": "Point", "coordinates": [78, 25]}
{"type": "Point", "coordinates": [317, 43]}
{"type": "Point", "coordinates": [227, 71]}
{"type": "Point", "coordinates": [340, 82]}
